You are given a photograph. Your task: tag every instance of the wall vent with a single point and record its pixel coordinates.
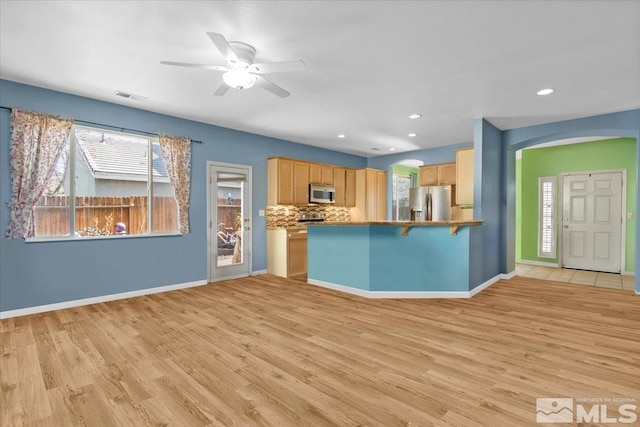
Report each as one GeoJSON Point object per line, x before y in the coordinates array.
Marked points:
{"type": "Point", "coordinates": [130, 95]}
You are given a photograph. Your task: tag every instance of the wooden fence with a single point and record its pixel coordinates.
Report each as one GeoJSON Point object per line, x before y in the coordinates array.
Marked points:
{"type": "Point", "coordinates": [98, 215]}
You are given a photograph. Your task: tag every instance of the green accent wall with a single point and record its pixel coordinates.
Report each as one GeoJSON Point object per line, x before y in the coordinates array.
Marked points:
{"type": "Point", "coordinates": [518, 210]}
{"type": "Point", "coordinates": [619, 153]}
{"type": "Point", "coordinates": [405, 170]}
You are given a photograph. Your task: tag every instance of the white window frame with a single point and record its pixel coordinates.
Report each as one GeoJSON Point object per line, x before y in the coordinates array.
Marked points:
{"type": "Point", "coordinates": [547, 216]}
{"type": "Point", "coordinates": [72, 192]}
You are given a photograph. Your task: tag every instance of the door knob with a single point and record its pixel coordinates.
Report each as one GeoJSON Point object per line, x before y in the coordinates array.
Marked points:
{"type": "Point", "coordinates": [566, 226]}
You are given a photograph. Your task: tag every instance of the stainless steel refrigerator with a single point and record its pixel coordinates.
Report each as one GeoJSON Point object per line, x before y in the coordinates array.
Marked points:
{"type": "Point", "coordinates": [430, 203]}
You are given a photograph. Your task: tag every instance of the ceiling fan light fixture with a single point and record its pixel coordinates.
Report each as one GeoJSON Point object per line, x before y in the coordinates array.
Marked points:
{"type": "Point", "coordinates": [238, 78]}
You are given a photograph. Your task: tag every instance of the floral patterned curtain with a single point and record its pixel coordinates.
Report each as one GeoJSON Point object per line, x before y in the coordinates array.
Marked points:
{"type": "Point", "coordinates": [37, 142]}
{"type": "Point", "coordinates": [176, 152]}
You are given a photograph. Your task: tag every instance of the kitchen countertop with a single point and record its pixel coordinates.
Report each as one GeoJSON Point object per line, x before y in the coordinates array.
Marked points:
{"type": "Point", "coordinates": [406, 225]}
{"type": "Point", "coordinates": [402, 223]}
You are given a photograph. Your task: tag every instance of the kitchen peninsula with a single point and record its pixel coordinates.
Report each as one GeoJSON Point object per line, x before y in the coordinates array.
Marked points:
{"type": "Point", "coordinates": [391, 259]}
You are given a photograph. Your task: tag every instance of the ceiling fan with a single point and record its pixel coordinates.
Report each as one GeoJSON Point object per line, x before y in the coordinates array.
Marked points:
{"type": "Point", "coordinates": [241, 72]}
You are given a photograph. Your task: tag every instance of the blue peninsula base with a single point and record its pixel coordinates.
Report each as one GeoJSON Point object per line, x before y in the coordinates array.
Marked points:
{"type": "Point", "coordinates": [390, 261]}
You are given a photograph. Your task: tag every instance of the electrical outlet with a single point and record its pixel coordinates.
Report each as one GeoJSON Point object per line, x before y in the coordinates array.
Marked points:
{"type": "Point", "coordinates": [629, 215]}
{"type": "Point", "coordinates": [261, 212]}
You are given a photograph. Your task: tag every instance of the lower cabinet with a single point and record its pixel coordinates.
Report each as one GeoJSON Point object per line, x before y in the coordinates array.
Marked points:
{"type": "Point", "coordinates": [287, 252]}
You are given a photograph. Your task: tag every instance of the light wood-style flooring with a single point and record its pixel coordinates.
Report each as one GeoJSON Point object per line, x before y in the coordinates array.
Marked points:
{"type": "Point", "coordinates": [265, 351]}
{"type": "Point", "coordinates": [578, 277]}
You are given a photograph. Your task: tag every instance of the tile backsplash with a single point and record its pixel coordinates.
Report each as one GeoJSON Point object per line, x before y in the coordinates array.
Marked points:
{"type": "Point", "coordinates": [287, 216]}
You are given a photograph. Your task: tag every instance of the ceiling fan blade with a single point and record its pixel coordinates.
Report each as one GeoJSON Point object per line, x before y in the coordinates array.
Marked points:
{"type": "Point", "coordinates": [277, 67]}
{"type": "Point", "coordinates": [271, 87]}
{"type": "Point", "coordinates": [223, 46]}
{"type": "Point", "coordinates": [222, 89]}
{"type": "Point", "coordinates": [205, 66]}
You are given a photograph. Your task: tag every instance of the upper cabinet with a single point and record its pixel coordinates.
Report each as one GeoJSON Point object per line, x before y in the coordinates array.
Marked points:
{"type": "Point", "coordinates": [300, 183]}
{"type": "Point", "coordinates": [464, 176]}
{"type": "Point", "coordinates": [321, 174]}
{"type": "Point", "coordinates": [280, 181]}
{"type": "Point", "coordinates": [440, 174]}
{"type": "Point", "coordinates": [289, 179]}
{"type": "Point", "coordinates": [371, 195]}
{"type": "Point", "coordinates": [447, 173]}
{"type": "Point", "coordinates": [344, 180]}
{"type": "Point", "coordinates": [288, 182]}
{"type": "Point", "coordinates": [428, 175]}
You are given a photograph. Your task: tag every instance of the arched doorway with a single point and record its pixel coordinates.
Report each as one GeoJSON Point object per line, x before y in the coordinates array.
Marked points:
{"type": "Point", "coordinates": [560, 162]}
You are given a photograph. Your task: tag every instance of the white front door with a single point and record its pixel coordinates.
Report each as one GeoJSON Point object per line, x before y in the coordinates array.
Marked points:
{"type": "Point", "coordinates": [592, 221]}
{"type": "Point", "coordinates": [229, 213]}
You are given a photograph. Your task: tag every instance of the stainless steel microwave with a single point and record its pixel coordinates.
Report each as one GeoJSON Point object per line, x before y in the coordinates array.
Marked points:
{"type": "Point", "coordinates": [322, 194]}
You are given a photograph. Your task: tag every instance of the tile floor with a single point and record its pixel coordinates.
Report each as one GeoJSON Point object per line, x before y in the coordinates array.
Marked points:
{"type": "Point", "coordinates": [580, 277]}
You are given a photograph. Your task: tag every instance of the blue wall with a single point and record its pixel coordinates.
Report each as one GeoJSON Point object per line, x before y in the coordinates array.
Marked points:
{"type": "Point", "coordinates": [487, 253]}
{"type": "Point", "coordinates": [33, 274]}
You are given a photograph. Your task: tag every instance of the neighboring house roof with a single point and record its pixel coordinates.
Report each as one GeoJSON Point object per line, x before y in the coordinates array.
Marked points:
{"type": "Point", "coordinates": [111, 156]}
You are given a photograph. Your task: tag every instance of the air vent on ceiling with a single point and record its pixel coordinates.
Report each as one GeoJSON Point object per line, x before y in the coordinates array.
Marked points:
{"type": "Point", "coordinates": [130, 95]}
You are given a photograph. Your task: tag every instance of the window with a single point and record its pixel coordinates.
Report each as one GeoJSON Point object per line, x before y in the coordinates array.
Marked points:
{"type": "Point", "coordinates": [107, 184]}
{"type": "Point", "coordinates": [400, 197]}
{"type": "Point", "coordinates": [547, 217]}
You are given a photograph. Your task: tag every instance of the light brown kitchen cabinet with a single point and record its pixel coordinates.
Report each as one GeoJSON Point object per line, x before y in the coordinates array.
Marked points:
{"type": "Point", "coordinates": [287, 252]}
{"type": "Point", "coordinates": [438, 174]}
{"type": "Point", "coordinates": [350, 188]}
{"type": "Point", "coordinates": [339, 182]}
{"type": "Point", "coordinates": [280, 181]}
{"type": "Point", "coordinates": [344, 181]}
{"type": "Point", "coordinates": [447, 173]}
{"type": "Point", "coordinates": [297, 253]}
{"type": "Point", "coordinates": [371, 195]}
{"type": "Point", "coordinates": [321, 174]}
{"type": "Point", "coordinates": [300, 183]}
{"type": "Point", "coordinates": [428, 175]}
{"type": "Point", "coordinates": [288, 182]}
{"type": "Point", "coordinates": [464, 176]}
{"type": "Point", "coordinates": [327, 175]}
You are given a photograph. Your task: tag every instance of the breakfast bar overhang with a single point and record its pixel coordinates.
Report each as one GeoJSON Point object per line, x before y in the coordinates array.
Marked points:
{"type": "Point", "coordinates": [391, 259]}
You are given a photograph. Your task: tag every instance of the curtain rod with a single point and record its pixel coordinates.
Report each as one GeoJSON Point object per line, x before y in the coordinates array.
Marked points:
{"type": "Point", "coordinates": [110, 126]}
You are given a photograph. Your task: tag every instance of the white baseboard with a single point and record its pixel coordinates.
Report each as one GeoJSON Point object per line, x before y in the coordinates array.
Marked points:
{"type": "Point", "coordinates": [539, 263]}
{"type": "Point", "coordinates": [96, 300]}
{"type": "Point", "coordinates": [349, 290]}
{"type": "Point", "coordinates": [507, 276]}
{"type": "Point", "coordinates": [490, 282]}
{"type": "Point", "coordinates": [628, 273]}
{"type": "Point", "coordinates": [258, 272]}
{"type": "Point", "coordinates": [411, 294]}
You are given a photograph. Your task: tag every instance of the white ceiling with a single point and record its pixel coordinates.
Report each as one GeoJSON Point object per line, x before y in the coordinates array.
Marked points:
{"type": "Point", "coordinates": [369, 64]}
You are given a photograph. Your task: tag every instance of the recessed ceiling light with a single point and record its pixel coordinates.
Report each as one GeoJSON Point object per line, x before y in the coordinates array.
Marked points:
{"type": "Point", "coordinates": [342, 136]}
{"type": "Point", "coordinates": [411, 135]}
{"type": "Point", "coordinates": [547, 91]}
{"type": "Point", "coordinates": [392, 149]}
{"type": "Point", "coordinates": [415, 116]}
